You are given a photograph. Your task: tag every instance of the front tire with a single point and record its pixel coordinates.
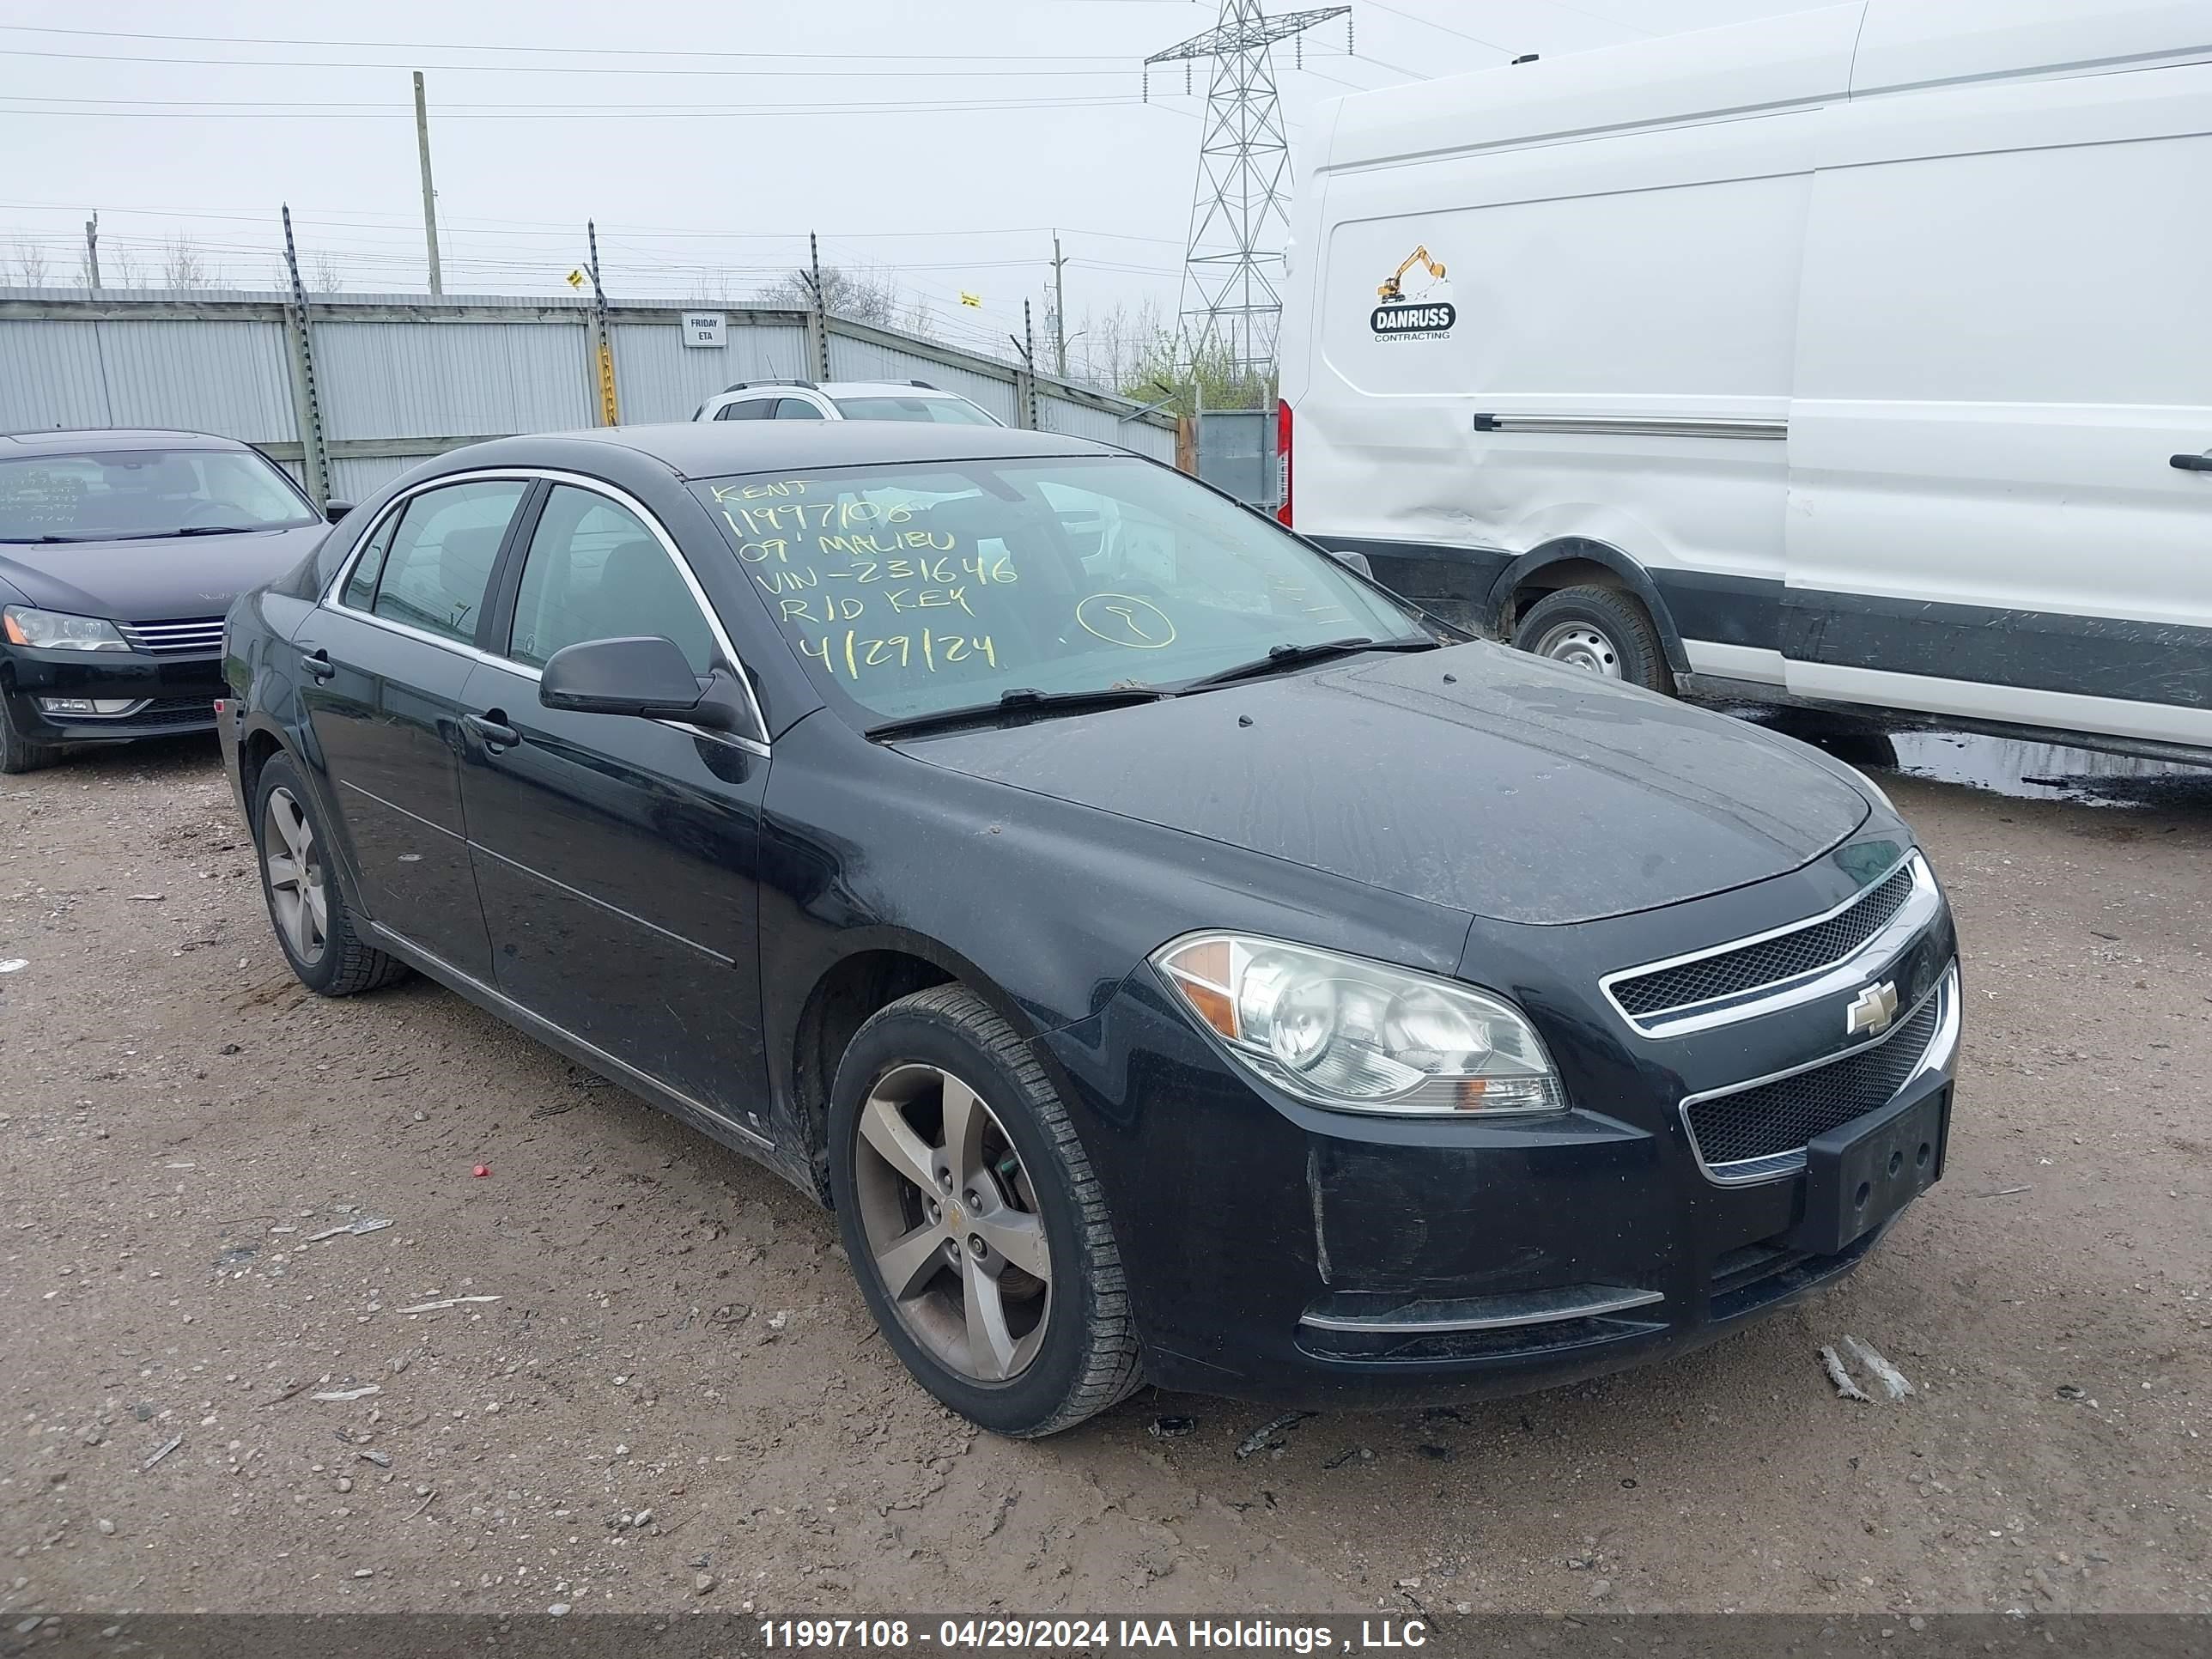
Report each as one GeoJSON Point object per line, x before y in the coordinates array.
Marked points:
{"type": "Point", "coordinates": [314, 924]}
{"type": "Point", "coordinates": [974, 1225]}
{"type": "Point", "coordinates": [1602, 630]}
{"type": "Point", "coordinates": [19, 754]}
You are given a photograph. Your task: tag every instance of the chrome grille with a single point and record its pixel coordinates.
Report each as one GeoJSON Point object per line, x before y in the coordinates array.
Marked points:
{"type": "Point", "coordinates": [195, 636]}
{"type": "Point", "coordinates": [1766, 973]}
{"type": "Point", "coordinates": [1755, 1133]}
{"type": "Point", "coordinates": [1806, 951]}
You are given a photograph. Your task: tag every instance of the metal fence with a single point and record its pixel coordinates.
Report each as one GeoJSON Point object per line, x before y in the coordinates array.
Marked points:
{"type": "Point", "coordinates": [1237, 452]}
{"type": "Point", "coordinates": [374, 383]}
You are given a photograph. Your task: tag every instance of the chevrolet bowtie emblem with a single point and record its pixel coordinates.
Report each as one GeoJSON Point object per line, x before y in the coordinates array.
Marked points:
{"type": "Point", "coordinates": [1872, 1010]}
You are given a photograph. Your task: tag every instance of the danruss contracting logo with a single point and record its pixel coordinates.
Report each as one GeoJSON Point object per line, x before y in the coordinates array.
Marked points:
{"type": "Point", "coordinates": [1420, 310]}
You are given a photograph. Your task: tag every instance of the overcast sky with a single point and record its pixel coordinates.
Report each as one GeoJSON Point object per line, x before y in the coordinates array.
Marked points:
{"type": "Point", "coordinates": [938, 144]}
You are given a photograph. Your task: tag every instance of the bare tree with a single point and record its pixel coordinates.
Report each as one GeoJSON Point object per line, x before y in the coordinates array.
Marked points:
{"type": "Point", "coordinates": [1122, 348]}
{"type": "Point", "coordinates": [30, 263]}
{"type": "Point", "coordinates": [127, 271]}
{"type": "Point", "coordinates": [859, 296]}
{"type": "Point", "coordinates": [328, 278]}
{"type": "Point", "coordinates": [183, 265]}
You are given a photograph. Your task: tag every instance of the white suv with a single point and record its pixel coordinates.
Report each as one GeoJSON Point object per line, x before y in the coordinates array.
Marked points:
{"type": "Point", "coordinates": [843, 400]}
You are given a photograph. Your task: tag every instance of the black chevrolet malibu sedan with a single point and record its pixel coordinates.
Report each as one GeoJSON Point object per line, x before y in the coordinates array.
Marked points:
{"type": "Point", "coordinates": [1173, 957]}
{"type": "Point", "coordinates": [119, 552]}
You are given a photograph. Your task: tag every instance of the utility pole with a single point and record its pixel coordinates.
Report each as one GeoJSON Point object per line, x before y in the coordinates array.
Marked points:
{"type": "Point", "coordinates": [429, 195]}
{"type": "Point", "coordinates": [609, 413]}
{"type": "Point", "coordinates": [1059, 309]}
{"type": "Point", "coordinates": [1240, 215]}
{"type": "Point", "coordinates": [92, 252]}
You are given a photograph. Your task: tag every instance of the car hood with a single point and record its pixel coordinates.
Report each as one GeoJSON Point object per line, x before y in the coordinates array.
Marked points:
{"type": "Point", "coordinates": [152, 580]}
{"type": "Point", "coordinates": [1475, 777]}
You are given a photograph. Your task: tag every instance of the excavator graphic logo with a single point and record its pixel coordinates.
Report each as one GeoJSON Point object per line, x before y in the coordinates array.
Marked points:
{"type": "Point", "coordinates": [1417, 309]}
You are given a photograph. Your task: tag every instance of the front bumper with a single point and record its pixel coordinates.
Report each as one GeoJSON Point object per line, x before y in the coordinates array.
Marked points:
{"type": "Point", "coordinates": [160, 695]}
{"type": "Point", "coordinates": [1310, 1258]}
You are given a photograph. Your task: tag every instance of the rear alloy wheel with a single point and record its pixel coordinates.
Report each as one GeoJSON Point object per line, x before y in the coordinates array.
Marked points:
{"type": "Point", "coordinates": [306, 906]}
{"type": "Point", "coordinates": [974, 1223]}
{"type": "Point", "coordinates": [1600, 630]}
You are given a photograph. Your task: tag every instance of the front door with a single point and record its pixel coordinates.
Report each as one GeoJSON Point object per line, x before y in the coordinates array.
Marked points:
{"type": "Point", "coordinates": [616, 855]}
{"type": "Point", "coordinates": [384, 668]}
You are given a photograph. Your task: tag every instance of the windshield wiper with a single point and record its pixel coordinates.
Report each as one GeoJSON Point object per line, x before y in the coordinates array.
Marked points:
{"type": "Point", "coordinates": [1290, 656]}
{"type": "Point", "coordinates": [35, 541]}
{"type": "Point", "coordinates": [220, 529]}
{"type": "Point", "coordinates": [1021, 699]}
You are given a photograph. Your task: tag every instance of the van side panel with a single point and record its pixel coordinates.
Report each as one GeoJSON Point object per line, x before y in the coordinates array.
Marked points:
{"type": "Point", "coordinates": [1908, 43]}
{"type": "Point", "coordinates": [2005, 338]}
{"type": "Point", "coordinates": [1631, 287]}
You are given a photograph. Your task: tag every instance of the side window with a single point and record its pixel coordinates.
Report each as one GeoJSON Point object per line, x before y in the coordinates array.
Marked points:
{"type": "Point", "coordinates": [360, 587]}
{"type": "Point", "coordinates": [441, 558]}
{"type": "Point", "coordinates": [595, 572]}
{"type": "Point", "coordinates": [796, 409]}
{"type": "Point", "coordinates": [746, 409]}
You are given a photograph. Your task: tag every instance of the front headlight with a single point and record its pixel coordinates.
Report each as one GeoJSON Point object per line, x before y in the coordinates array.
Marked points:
{"type": "Point", "coordinates": [1358, 1035]}
{"type": "Point", "coordinates": [52, 630]}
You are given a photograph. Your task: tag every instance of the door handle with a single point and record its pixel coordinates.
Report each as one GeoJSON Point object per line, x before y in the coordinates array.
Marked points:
{"type": "Point", "coordinates": [2192, 463]}
{"type": "Point", "coordinates": [320, 665]}
{"type": "Point", "coordinates": [496, 734]}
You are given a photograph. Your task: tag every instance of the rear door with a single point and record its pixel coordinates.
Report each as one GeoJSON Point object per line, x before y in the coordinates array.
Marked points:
{"type": "Point", "coordinates": [2002, 350]}
{"type": "Point", "coordinates": [617, 856]}
{"type": "Point", "coordinates": [386, 662]}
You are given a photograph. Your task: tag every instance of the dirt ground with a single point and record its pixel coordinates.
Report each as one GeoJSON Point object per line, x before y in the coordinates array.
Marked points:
{"type": "Point", "coordinates": [666, 1392]}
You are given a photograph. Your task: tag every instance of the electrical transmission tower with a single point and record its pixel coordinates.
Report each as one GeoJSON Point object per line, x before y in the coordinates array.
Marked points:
{"type": "Point", "coordinates": [1240, 214]}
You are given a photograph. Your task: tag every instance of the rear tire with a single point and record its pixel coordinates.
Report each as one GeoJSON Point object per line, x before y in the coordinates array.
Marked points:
{"type": "Point", "coordinates": [313, 923]}
{"type": "Point", "coordinates": [1602, 630]}
{"type": "Point", "coordinates": [1031, 1333]}
{"type": "Point", "coordinates": [18, 753]}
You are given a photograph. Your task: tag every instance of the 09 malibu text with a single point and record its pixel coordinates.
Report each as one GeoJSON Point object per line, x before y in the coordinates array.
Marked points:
{"type": "Point", "coordinates": [981, 1635]}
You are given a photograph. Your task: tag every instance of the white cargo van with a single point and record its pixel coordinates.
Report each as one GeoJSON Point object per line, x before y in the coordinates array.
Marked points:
{"type": "Point", "coordinates": [1860, 357]}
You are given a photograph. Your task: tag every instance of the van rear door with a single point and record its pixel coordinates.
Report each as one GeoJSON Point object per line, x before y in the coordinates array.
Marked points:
{"type": "Point", "coordinates": [2003, 343]}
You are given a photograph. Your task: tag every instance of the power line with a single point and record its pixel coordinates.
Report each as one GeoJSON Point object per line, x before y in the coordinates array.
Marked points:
{"type": "Point", "coordinates": [588, 51]}
{"type": "Point", "coordinates": [1443, 28]}
{"type": "Point", "coordinates": [833, 73]}
{"type": "Point", "coordinates": [560, 112]}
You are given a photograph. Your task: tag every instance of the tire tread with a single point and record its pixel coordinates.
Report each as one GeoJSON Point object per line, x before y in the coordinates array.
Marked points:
{"type": "Point", "coordinates": [1113, 1366]}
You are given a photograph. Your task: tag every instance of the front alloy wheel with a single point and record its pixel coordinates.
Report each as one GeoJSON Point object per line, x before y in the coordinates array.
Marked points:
{"type": "Point", "coordinates": [951, 1224]}
{"type": "Point", "coordinates": [975, 1223]}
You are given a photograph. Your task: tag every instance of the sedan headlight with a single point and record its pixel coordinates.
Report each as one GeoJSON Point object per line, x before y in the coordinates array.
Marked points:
{"type": "Point", "coordinates": [1358, 1035]}
{"type": "Point", "coordinates": [53, 631]}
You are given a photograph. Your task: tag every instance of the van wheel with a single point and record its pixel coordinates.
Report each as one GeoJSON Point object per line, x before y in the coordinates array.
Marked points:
{"type": "Point", "coordinates": [972, 1221]}
{"type": "Point", "coordinates": [1599, 630]}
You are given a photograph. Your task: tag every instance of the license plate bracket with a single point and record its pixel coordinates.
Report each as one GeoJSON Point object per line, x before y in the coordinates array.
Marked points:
{"type": "Point", "coordinates": [1862, 1173]}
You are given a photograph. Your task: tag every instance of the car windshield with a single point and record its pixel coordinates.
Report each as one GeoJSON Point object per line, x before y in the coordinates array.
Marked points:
{"type": "Point", "coordinates": [911, 589]}
{"type": "Point", "coordinates": [946, 411]}
{"type": "Point", "coordinates": [116, 495]}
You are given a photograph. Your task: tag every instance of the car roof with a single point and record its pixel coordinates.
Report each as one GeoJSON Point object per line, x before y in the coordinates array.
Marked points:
{"type": "Point", "coordinates": [64, 439]}
{"type": "Point", "coordinates": [714, 449]}
{"type": "Point", "coordinates": [886, 388]}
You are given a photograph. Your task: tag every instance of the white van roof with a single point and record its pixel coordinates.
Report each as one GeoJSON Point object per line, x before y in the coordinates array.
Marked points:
{"type": "Point", "coordinates": [1771, 64]}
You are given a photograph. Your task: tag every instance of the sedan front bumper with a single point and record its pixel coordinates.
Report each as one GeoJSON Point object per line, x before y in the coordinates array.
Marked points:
{"type": "Point", "coordinates": [147, 695]}
{"type": "Point", "coordinates": [1279, 1253]}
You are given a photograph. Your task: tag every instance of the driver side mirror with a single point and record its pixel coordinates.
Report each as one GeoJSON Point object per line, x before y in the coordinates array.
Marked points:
{"type": "Point", "coordinates": [646, 676]}
{"type": "Point", "coordinates": [333, 511]}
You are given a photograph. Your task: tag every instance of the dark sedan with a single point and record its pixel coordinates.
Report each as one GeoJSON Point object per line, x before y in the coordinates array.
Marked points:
{"type": "Point", "coordinates": [119, 552]}
{"type": "Point", "coordinates": [1173, 957]}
